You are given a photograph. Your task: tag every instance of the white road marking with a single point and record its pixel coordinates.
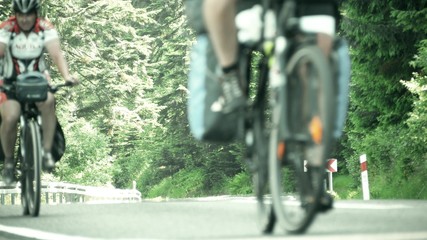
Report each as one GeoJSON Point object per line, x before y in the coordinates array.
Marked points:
{"type": "Point", "coordinates": [378, 236]}
{"type": "Point", "coordinates": [41, 235]}
{"type": "Point", "coordinates": [357, 205]}
{"type": "Point", "coordinates": [37, 234]}
{"type": "Point", "coordinates": [369, 205]}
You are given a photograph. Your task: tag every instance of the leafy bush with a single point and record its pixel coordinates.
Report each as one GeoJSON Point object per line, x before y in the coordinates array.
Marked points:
{"type": "Point", "coordinates": [185, 183]}
{"type": "Point", "coordinates": [240, 184]}
{"type": "Point", "coordinates": [87, 158]}
{"type": "Point", "coordinates": [343, 186]}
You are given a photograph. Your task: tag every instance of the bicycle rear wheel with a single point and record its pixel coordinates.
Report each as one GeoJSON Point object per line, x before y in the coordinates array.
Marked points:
{"type": "Point", "coordinates": [302, 128]}
{"type": "Point", "coordinates": [32, 168]}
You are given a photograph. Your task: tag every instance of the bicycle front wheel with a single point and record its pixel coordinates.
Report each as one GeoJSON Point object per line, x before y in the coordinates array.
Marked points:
{"type": "Point", "coordinates": [32, 167]}
{"type": "Point", "coordinates": [256, 136]}
{"type": "Point", "coordinates": [266, 216]}
{"type": "Point", "coordinates": [300, 139]}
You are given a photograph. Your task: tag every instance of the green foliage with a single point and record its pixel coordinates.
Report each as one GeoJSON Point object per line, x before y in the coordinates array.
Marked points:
{"type": "Point", "coordinates": [240, 184]}
{"type": "Point", "coordinates": [344, 186]}
{"type": "Point", "coordinates": [5, 8]}
{"type": "Point", "coordinates": [415, 139]}
{"type": "Point", "coordinates": [186, 183]}
{"type": "Point", "coordinates": [381, 50]}
{"type": "Point", "coordinates": [167, 148]}
{"type": "Point", "coordinates": [109, 51]}
{"type": "Point", "coordinates": [90, 162]}
{"type": "Point", "coordinates": [386, 121]}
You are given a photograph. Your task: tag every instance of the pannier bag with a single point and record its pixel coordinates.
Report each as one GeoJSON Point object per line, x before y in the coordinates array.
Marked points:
{"type": "Point", "coordinates": [58, 146]}
{"type": "Point", "coordinates": [206, 123]}
{"type": "Point", "coordinates": [31, 87]}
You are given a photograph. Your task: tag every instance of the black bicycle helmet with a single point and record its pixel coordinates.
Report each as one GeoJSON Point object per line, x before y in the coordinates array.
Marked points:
{"type": "Point", "coordinates": [25, 6]}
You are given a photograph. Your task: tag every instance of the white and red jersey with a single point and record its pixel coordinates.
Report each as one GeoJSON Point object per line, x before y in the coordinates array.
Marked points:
{"type": "Point", "coordinates": [24, 52]}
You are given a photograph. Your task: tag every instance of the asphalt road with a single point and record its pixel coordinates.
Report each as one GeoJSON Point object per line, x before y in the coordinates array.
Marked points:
{"type": "Point", "coordinates": [210, 218]}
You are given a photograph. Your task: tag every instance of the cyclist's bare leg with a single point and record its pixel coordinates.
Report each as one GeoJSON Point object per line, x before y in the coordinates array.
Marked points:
{"type": "Point", "coordinates": [325, 42]}
{"type": "Point", "coordinates": [219, 19]}
{"type": "Point", "coordinates": [47, 109]}
{"type": "Point", "coordinates": [10, 112]}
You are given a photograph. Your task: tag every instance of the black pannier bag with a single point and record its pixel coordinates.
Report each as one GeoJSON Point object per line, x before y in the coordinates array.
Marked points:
{"type": "Point", "coordinates": [58, 146]}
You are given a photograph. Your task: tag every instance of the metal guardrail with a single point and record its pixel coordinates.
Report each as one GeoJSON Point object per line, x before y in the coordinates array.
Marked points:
{"type": "Point", "coordinates": [59, 192]}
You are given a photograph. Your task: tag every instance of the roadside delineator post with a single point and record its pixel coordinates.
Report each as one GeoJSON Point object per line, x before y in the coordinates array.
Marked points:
{"type": "Point", "coordinates": [364, 173]}
{"type": "Point", "coordinates": [332, 167]}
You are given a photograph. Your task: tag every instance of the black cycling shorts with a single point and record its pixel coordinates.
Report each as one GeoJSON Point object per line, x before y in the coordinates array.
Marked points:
{"type": "Point", "coordinates": [306, 8]}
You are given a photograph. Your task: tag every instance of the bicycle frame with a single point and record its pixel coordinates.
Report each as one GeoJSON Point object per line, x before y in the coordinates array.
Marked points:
{"type": "Point", "coordinates": [29, 112]}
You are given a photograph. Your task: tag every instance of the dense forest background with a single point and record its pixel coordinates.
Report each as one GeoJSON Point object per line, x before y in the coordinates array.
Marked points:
{"type": "Point", "coordinates": [127, 120]}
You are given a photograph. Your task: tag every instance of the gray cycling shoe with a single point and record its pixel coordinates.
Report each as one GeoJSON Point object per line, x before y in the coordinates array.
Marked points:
{"type": "Point", "coordinates": [48, 162]}
{"type": "Point", "coordinates": [232, 94]}
{"type": "Point", "coordinates": [8, 174]}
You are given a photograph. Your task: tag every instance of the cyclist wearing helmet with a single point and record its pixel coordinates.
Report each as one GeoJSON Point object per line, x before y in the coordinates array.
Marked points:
{"type": "Point", "coordinates": [24, 38]}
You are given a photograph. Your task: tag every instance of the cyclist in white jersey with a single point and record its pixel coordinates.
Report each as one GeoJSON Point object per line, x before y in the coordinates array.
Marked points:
{"type": "Point", "coordinates": [24, 38]}
{"type": "Point", "coordinates": [317, 16]}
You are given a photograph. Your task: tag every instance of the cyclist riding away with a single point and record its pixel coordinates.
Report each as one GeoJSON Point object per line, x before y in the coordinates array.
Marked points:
{"type": "Point", "coordinates": [24, 38]}
{"type": "Point", "coordinates": [317, 16]}
{"type": "Point", "coordinates": [219, 17]}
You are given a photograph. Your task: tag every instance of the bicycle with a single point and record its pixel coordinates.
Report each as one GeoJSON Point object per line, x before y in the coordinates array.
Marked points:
{"type": "Point", "coordinates": [30, 153]}
{"type": "Point", "coordinates": [290, 122]}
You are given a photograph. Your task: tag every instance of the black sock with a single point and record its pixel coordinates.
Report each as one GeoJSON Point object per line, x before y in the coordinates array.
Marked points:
{"type": "Point", "coordinates": [230, 68]}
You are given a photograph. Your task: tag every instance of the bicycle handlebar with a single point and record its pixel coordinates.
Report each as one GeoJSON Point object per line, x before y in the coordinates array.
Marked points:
{"type": "Point", "coordinates": [55, 88]}
{"type": "Point", "coordinates": [51, 88]}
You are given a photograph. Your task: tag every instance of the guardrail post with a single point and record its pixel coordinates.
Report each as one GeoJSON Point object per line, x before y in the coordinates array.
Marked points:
{"type": "Point", "coordinates": [73, 193]}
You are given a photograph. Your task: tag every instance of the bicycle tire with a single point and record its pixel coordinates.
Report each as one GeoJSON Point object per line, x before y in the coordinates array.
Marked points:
{"type": "Point", "coordinates": [257, 136]}
{"type": "Point", "coordinates": [21, 177]}
{"type": "Point", "coordinates": [296, 194]}
{"type": "Point", "coordinates": [32, 169]}
{"type": "Point", "coordinates": [266, 216]}
{"type": "Point", "coordinates": [24, 203]}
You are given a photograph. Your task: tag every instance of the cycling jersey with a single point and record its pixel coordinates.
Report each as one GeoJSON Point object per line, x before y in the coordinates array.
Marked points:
{"type": "Point", "coordinates": [24, 52]}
